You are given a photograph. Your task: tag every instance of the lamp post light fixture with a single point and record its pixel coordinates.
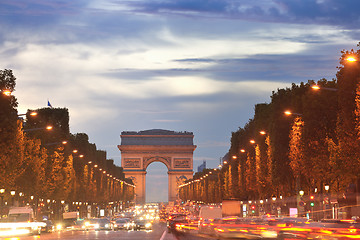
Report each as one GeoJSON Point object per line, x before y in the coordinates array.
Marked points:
{"type": "Point", "coordinates": [6, 92]}
{"type": "Point", "coordinates": [326, 187]}
{"type": "Point", "coordinates": [317, 87]}
{"type": "Point", "coordinates": [12, 193]}
{"type": "Point", "coordinates": [252, 141]}
{"type": "Point", "coordinates": [242, 150]}
{"type": "Point", "coordinates": [262, 132]}
{"type": "Point", "coordinates": [301, 193]}
{"type": "Point", "coordinates": [2, 191]}
{"type": "Point", "coordinates": [49, 127]}
{"type": "Point", "coordinates": [33, 113]}
{"type": "Point", "coordinates": [351, 59]}
{"type": "Point", "coordinates": [288, 113]}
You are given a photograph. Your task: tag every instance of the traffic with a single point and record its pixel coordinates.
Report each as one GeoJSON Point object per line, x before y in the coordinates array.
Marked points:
{"type": "Point", "coordinates": [173, 221]}
{"type": "Point", "coordinates": [208, 221]}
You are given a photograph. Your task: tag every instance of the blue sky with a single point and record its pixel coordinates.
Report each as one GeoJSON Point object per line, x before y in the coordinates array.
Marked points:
{"type": "Point", "coordinates": [189, 65]}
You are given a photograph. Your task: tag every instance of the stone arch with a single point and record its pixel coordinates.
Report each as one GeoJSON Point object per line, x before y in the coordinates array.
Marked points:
{"type": "Point", "coordinates": [164, 160]}
{"type": "Point", "coordinates": [140, 149]}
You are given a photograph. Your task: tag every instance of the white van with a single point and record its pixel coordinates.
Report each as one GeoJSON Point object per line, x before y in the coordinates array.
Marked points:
{"type": "Point", "coordinates": [207, 215]}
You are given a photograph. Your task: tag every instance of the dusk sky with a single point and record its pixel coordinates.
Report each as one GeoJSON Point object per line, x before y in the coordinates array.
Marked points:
{"type": "Point", "coordinates": [181, 65]}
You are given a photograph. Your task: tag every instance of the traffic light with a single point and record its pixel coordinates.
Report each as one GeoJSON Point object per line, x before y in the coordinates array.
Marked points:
{"type": "Point", "coordinates": [253, 208]}
{"type": "Point", "coordinates": [312, 198]}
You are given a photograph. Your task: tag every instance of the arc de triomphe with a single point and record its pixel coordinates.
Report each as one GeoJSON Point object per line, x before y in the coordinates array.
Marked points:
{"type": "Point", "coordinates": [140, 149]}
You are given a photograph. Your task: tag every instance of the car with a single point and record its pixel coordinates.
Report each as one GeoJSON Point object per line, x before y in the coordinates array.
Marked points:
{"type": "Point", "coordinates": [49, 227]}
{"type": "Point", "coordinates": [174, 220]}
{"type": "Point", "coordinates": [122, 223]}
{"type": "Point", "coordinates": [142, 224]}
{"type": "Point", "coordinates": [97, 224]}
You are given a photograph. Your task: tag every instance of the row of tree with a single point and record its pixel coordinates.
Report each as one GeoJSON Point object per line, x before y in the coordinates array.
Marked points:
{"type": "Point", "coordinates": [317, 145]}
{"type": "Point", "coordinates": [38, 163]}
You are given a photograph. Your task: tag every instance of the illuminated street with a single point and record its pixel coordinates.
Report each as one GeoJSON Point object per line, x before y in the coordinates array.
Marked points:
{"type": "Point", "coordinates": [158, 232]}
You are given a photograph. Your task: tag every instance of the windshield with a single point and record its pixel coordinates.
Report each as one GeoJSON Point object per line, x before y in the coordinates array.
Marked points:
{"type": "Point", "coordinates": [19, 217]}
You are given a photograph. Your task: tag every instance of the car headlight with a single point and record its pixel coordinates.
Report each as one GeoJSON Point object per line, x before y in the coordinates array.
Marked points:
{"type": "Point", "coordinates": [96, 226]}
{"type": "Point", "coordinates": [148, 225]}
{"type": "Point", "coordinates": [87, 224]}
{"type": "Point", "coordinates": [106, 225]}
{"type": "Point", "coordinates": [58, 227]}
{"type": "Point", "coordinates": [115, 225]}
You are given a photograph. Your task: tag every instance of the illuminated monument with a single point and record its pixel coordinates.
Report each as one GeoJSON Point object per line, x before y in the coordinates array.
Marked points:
{"type": "Point", "coordinates": [140, 149]}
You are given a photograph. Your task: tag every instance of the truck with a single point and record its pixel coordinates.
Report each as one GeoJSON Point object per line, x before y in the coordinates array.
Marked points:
{"type": "Point", "coordinates": [207, 216]}
{"type": "Point", "coordinates": [69, 219]}
{"type": "Point", "coordinates": [20, 221]}
{"type": "Point", "coordinates": [231, 208]}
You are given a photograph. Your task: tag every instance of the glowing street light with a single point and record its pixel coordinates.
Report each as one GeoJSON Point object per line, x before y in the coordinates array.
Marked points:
{"type": "Point", "coordinates": [41, 128]}
{"type": "Point", "coordinates": [242, 150]}
{"type": "Point", "coordinates": [262, 132]}
{"type": "Point", "coordinates": [252, 141]}
{"type": "Point", "coordinates": [317, 87]}
{"type": "Point", "coordinates": [33, 114]}
{"type": "Point", "coordinates": [288, 113]}
{"type": "Point", "coordinates": [6, 92]}
{"type": "Point", "coordinates": [351, 59]}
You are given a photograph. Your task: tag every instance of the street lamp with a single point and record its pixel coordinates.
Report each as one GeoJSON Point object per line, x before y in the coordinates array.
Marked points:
{"type": "Point", "coordinates": [351, 59]}
{"type": "Point", "coordinates": [12, 193]}
{"type": "Point", "coordinates": [317, 87]}
{"type": "Point", "coordinates": [33, 113]}
{"type": "Point", "coordinates": [6, 92]}
{"type": "Point", "coordinates": [2, 191]}
{"type": "Point", "coordinates": [41, 128]}
{"type": "Point", "coordinates": [288, 113]}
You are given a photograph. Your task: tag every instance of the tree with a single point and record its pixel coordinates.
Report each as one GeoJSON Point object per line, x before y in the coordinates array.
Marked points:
{"type": "Point", "coordinates": [10, 132]}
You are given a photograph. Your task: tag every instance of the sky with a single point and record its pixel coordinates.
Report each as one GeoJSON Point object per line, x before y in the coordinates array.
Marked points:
{"type": "Point", "coordinates": [180, 65]}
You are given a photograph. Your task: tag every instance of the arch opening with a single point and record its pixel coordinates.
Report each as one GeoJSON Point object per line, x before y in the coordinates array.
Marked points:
{"type": "Point", "coordinates": [157, 182]}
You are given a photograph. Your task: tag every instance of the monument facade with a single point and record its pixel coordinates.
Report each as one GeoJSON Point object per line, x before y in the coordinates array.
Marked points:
{"type": "Point", "coordinates": [140, 149]}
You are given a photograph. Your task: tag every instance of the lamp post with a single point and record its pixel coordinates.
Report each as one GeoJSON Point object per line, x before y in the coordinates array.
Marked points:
{"type": "Point", "coordinates": [288, 113]}
{"type": "Point", "coordinates": [2, 191]}
{"type": "Point", "coordinates": [6, 92]}
{"type": "Point", "coordinates": [41, 128]}
{"type": "Point", "coordinates": [12, 193]}
{"type": "Point", "coordinates": [326, 201]}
